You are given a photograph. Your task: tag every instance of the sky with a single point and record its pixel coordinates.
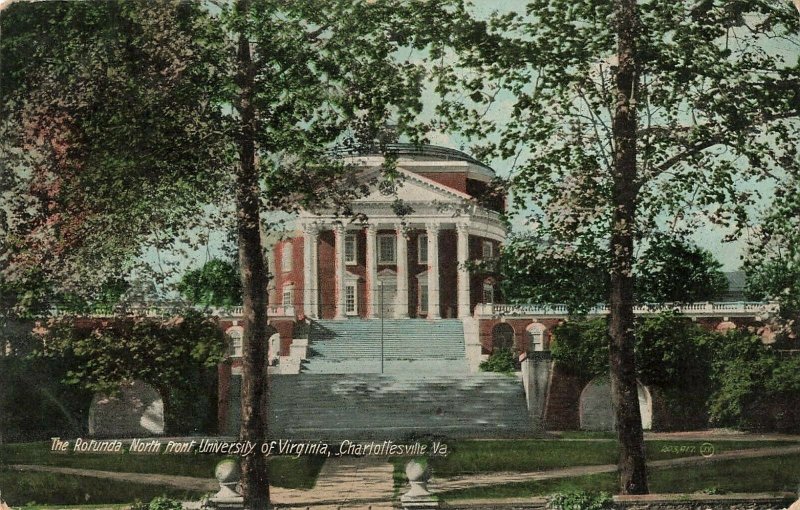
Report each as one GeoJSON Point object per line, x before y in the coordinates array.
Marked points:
{"type": "Point", "coordinates": [729, 254]}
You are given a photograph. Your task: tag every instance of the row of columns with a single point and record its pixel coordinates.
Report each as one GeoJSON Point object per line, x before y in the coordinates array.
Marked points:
{"type": "Point", "coordinates": [311, 268]}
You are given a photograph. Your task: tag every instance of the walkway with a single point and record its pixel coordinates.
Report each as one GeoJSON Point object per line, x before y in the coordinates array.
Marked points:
{"type": "Point", "coordinates": [347, 482]}
{"type": "Point", "coordinates": [367, 482]}
{"type": "Point", "coordinates": [488, 479]}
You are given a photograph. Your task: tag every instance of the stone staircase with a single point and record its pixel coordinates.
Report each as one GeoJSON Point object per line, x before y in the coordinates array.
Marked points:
{"type": "Point", "coordinates": [332, 407]}
{"type": "Point", "coordinates": [409, 345]}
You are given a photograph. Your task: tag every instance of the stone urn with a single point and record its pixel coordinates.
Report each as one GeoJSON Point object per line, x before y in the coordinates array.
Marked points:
{"type": "Point", "coordinates": [418, 473]}
{"type": "Point", "coordinates": [227, 474]}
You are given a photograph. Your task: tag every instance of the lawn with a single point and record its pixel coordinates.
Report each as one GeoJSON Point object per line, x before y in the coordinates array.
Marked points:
{"type": "Point", "coordinates": [289, 472]}
{"type": "Point", "coordinates": [776, 474]}
{"type": "Point", "coordinates": [57, 489]}
{"type": "Point", "coordinates": [21, 488]}
{"type": "Point", "coordinates": [467, 457]}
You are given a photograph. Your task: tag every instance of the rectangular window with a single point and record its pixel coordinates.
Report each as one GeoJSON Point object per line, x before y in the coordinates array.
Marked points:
{"type": "Point", "coordinates": [488, 250]}
{"type": "Point", "coordinates": [422, 249]}
{"type": "Point", "coordinates": [488, 293]}
{"type": "Point", "coordinates": [288, 294]}
{"type": "Point", "coordinates": [350, 299]}
{"type": "Point", "coordinates": [286, 257]}
{"type": "Point", "coordinates": [236, 343]}
{"type": "Point", "coordinates": [386, 249]}
{"type": "Point", "coordinates": [350, 249]}
{"type": "Point", "coordinates": [423, 298]}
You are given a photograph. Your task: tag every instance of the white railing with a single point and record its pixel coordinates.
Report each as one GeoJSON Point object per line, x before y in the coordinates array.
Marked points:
{"type": "Point", "coordinates": [690, 309]}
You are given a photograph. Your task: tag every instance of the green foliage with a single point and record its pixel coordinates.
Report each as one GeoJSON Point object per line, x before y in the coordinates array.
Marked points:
{"type": "Point", "coordinates": [178, 357]}
{"type": "Point", "coordinates": [755, 388]}
{"type": "Point", "coordinates": [501, 360]}
{"type": "Point", "coordinates": [671, 270]}
{"type": "Point", "coordinates": [217, 283]}
{"type": "Point", "coordinates": [734, 378]}
{"type": "Point", "coordinates": [35, 402]}
{"type": "Point", "coordinates": [581, 347]}
{"type": "Point", "coordinates": [531, 273]}
{"type": "Point", "coordinates": [772, 261]}
{"type": "Point", "coordinates": [579, 500]}
{"type": "Point", "coordinates": [164, 503]}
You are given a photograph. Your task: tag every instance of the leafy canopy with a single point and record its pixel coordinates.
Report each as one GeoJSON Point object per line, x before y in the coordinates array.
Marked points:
{"type": "Point", "coordinates": [716, 106]}
{"type": "Point", "coordinates": [216, 283]}
{"type": "Point", "coordinates": [667, 270]}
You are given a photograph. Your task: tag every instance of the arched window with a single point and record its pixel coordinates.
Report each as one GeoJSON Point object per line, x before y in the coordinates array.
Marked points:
{"type": "Point", "coordinates": [502, 336]}
{"type": "Point", "coordinates": [287, 252]}
{"type": "Point", "coordinates": [535, 333]}
{"type": "Point", "coordinates": [235, 341]}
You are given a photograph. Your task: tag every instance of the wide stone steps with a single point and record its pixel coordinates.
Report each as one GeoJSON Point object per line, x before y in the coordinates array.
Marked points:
{"type": "Point", "coordinates": [348, 345]}
{"type": "Point", "coordinates": [397, 406]}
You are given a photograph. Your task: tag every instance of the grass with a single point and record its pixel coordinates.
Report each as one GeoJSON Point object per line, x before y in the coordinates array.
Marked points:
{"type": "Point", "coordinates": [195, 465]}
{"type": "Point", "coordinates": [56, 489]}
{"type": "Point", "coordinates": [768, 474]}
{"type": "Point", "coordinates": [469, 457]}
{"type": "Point", "coordinates": [288, 472]}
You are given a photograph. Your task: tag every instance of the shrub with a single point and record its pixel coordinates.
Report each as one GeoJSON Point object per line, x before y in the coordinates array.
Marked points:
{"type": "Point", "coordinates": [164, 503]}
{"type": "Point", "coordinates": [501, 360]}
{"type": "Point", "coordinates": [579, 500]}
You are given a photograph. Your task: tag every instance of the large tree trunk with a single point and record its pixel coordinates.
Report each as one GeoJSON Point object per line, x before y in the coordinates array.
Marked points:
{"type": "Point", "coordinates": [624, 395]}
{"type": "Point", "coordinates": [255, 395]}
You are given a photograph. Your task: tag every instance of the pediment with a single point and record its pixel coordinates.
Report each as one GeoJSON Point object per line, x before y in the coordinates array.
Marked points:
{"type": "Point", "coordinates": [414, 188]}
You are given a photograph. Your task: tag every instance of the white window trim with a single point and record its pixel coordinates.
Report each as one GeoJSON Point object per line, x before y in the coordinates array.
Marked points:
{"type": "Point", "coordinates": [487, 247]}
{"type": "Point", "coordinates": [422, 243]}
{"type": "Point", "coordinates": [422, 281]}
{"type": "Point", "coordinates": [354, 239]}
{"type": "Point", "coordinates": [236, 334]}
{"type": "Point", "coordinates": [347, 287]}
{"type": "Point", "coordinates": [488, 289]}
{"type": "Point", "coordinates": [287, 289]}
{"type": "Point", "coordinates": [379, 241]}
{"type": "Point", "coordinates": [287, 264]}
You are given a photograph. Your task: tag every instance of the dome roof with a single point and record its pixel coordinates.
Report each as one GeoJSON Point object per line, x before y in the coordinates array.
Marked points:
{"type": "Point", "coordinates": [417, 152]}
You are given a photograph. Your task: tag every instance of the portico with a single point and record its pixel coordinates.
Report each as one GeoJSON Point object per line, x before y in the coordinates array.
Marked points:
{"type": "Point", "coordinates": [404, 253]}
{"type": "Point", "coordinates": [404, 267]}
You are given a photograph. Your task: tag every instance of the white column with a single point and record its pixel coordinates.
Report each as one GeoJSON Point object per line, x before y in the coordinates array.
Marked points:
{"type": "Point", "coordinates": [432, 231]}
{"type": "Point", "coordinates": [372, 271]}
{"type": "Point", "coordinates": [308, 283]}
{"type": "Point", "coordinates": [401, 305]}
{"type": "Point", "coordinates": [462, 255]}
{"type": "Point", "coordinates": [338, 233]}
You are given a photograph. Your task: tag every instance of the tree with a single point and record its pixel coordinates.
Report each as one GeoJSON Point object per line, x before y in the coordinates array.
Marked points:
{"type": "Point", "coordinates": [119, 132]}
{"type": "Point", "coordinates": [178, 357]}
{"type": "Point", "coordinates": [217, 283]}
{"type": "Point", "coordinates": [772, 261]}
{"type": "Point", "coordinates": [530, 273]}
{"type": "Point", "coordinates": [670, 270]}
{"type": "Point", "coordinates": [667, 270]}
{"type": "Point", "coordinates": [625, 119]}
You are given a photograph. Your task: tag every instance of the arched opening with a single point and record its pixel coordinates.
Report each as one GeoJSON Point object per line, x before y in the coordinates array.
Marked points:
{"type": "Point", "coordinates": [597, 412]}
{"type": "Point", "coordinates": [138, 410]}
{"type": "Point", "coordinates": [502, 336]}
